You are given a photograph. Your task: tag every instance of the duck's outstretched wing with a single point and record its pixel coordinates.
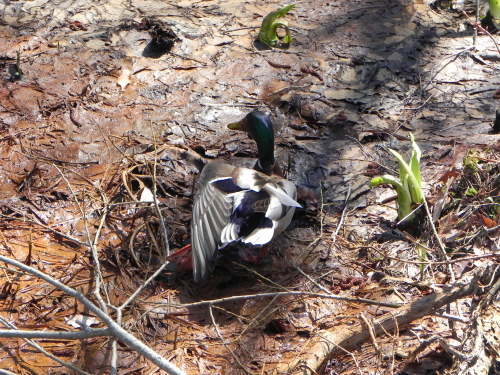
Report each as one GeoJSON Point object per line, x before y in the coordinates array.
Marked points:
{"type": "Point", "coordinates": [211, 212]}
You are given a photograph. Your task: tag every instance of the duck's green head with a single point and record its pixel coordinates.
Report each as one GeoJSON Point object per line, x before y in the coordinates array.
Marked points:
{"type": "Point", "coordinates": [259, 127]}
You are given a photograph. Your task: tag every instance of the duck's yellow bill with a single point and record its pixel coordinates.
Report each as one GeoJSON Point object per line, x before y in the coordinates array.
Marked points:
{"type": "Point", "coordinates": [239, 125]}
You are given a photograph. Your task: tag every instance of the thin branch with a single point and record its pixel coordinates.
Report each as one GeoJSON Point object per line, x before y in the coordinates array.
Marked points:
{"type": "Point", "coordinates": [141, 288]}
{"type": "Point", "coordinates": [342, 217]}
{"type": "Point", "coordinates": [445, 258]}
{"type": "Point", "coordinates": [224, 341]}
{"type": "Point", "coordinates": [440, 243]}
{"type": "Point", "coordinates": [42, 350]}
{"type": "Point", "coordinates": [56, 335]}
{"type": "Point", "coordinates": [321, 223]}
{"type": "Point", "coordinates": [455, 56]}
{"type": "Point", "coordinates": [164, 255]}
{"type": "Point", "coordinates": [369, 326]}
{"type": "Point", "coordinates": [413, 240]}
{"type": "Point", "coordinates": [260, 276]}
{"type": "Point", "coordinates": [452, 317]}
{"type": "Point", "coordinates": [166, 246]}
{"type": "Point", "coordinates": [477, 26]}
{"type": "Point", "coordinates": [285, 294]}
{"type": "Point", "coordinates": [251, 323]}
{"type": "Point", "coordinates": [451, 261]}
{"type": "Point", "coordinates": [314, 281]}
{"type": "Point", "coordinates": [474, 36]}
{"type": "Point", "coordinates": [91, 243]}
{"type": "Point", "coordinates": [120, 333]}
{"type": "Point", "coordinates": [356, 363]}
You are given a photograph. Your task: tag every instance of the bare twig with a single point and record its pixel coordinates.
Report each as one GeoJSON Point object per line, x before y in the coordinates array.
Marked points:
{"type": "Point", "coordinates": [42, 350]}
{"type": "Point", "coordinates": [369, 326]}
{"type": "Point", "coordinates": [313, 281]}
{"type": "Point", "coordinates": [369, 157]}
{"type": "Point", "coordinates": [452, 317]}
{"type": "Point", "coordinates": [91, 243]}
{"type": "Point", "coordinates": [455, 56]}
{"type": "Point", "coordinates": [141, 288]}
{"type": "Point", "coordinates": [474, 37]}
{"type": "Point", "coordinates": [62, 235]}
{"type": "Point", "coordinates": [55, 335]}
{"type": "Point", "coordinates": [409, 215]}
{"type": "Point", "coordinates": [233, 354]}
{"type": "Point", "coordinates": [119, 312]}
{"type": "Point", "coordinates": [477, 26]}
{"type": "Point", "coordinates": [257, 317]}
{"type": "Point", "coordinates": [445, 258]}
{"type": "Point", "coordinates": [465, 357]}
{"type": "Point", "coordinates": [421, 347]}
{"type": "Point", "coordinates": [491, 294]}
{"type": "Point", "coordinates": [342, 217]}
{"type": "Point", "coordinates": [285, 294]}
{"type": "Point", "coordinates": [117, 331]}
{"type": "Point", "coordinates": [321, 224]}
{"type": "Point", "coordinates": [440, 243]}
{"type": "Point", "coordinates": [433, 262]}
{"type": "Point", "coordinates": [166, 247]}
{"type": "Point", "coordinates": [342, 350]}
{"type": "Point", "coordinates": [260, 276]}
{"type": "Point", "coordinates": [7, 372]}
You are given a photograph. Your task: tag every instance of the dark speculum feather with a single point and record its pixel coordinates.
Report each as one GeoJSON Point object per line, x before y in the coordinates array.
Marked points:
{"type": "Point", "coordinates": [252, 222]}
{"type": "Point", "coordinates": [246, 217]}
{"type": "Point", "coordinates": [227, 185]}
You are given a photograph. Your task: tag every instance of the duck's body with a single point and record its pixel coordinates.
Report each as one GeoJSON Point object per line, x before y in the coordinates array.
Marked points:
{"type": "Point", "coordinates": [236, 204]}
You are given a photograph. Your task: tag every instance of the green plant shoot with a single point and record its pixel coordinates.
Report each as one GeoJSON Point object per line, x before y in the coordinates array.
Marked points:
{"type": "Point", "coordinates": [270, 24]}
{"type": "Point", "coordinates": [471, 192]}
{"type": "Point", "coordinates": [409, 184]}
{"type": "Point", "coordinates": [495, 11]}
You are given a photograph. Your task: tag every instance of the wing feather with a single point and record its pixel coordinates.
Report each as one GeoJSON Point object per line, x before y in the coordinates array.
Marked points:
{"type": "Point", "coordinates": [211, 212]}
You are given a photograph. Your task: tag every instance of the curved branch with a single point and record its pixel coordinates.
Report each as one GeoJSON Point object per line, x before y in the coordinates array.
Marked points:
{"type": "Point", "coordinates": [117, 331]}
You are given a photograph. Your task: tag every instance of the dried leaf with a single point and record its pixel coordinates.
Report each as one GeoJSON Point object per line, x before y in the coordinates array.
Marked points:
{"type": "Point", "coordinates": [487, 222]}
{"type": "Point", "coordinates": [124, 78]}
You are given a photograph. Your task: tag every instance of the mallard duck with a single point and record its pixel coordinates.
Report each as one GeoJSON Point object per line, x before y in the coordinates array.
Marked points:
{"type": "Point", "coordinates": [235, 204]}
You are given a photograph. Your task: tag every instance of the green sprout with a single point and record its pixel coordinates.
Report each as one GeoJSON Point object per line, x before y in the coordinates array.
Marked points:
{"type": "Point", "coordinates": [495, 12]}
{"type": "Point", "coordinates": [409, 184]}
{"type": "Point", "coordinates": [492, 19]}
{"type": "Point", "coordinates": [471, 161]}
{"type": "Point", "coordinates": [471, 192]}
{"type": "Point", "coordinates": [270, 24]}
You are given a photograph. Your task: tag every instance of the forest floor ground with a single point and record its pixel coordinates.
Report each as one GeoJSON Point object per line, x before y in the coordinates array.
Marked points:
{"type": "Point", "coordinates": [91, 114]}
